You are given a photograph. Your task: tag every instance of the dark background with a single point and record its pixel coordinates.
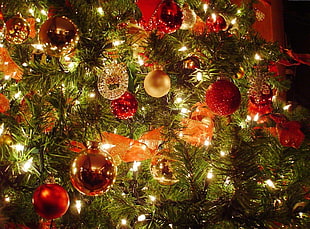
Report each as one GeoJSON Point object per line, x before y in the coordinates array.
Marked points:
{"type": "Point", "coordinates": [297, 32]}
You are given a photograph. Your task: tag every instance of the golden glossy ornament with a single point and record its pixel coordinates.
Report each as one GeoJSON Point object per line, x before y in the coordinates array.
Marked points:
{"type": "Point", "coordinates": [93, 172]}
{"type": "Point", "coordinates": [6, 139]}
{"type": "Point", "coordinates": [157, 83]}
{"type": "Point", "coordinates": [17, 30]}
{"type": "Point", "coordinates": [162, 171]}
{"type": "Point", "coordinates": [59, 36]}
{"type": "Point", "coordinates": [241, 73]}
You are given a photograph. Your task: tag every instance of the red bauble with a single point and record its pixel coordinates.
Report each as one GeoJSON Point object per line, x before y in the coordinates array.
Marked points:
{"type": "Point", "coordinates": [223, 97]}
{"type": "Point", "coordinates": [124, 107]}
{"type": "Point", "coordinates": [169, 17]}
{"type": "Point", "coordinates": [93, 172]}
{"type": "Point", "coordinates": [216, 23]}
{"type": "Point", "coordinates": [50, 201]}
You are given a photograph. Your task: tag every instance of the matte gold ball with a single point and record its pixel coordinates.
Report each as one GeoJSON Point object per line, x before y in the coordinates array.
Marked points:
{"type": "Point", "coordinates": [157, 83]}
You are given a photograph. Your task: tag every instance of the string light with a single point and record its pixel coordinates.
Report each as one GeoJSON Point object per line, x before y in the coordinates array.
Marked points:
{"type": "Point", "coordinates": [117, 42]}
{"type": "Point", "coordinates": [18, 95]}
{"type": "Point", "coordinates": [135, 166]}
{"type": "Point", "coordinates": [207, 142]}
{"type": "Point", "coordinates": [27, 165]}
{"type": "Point", "coordinates": [256, 117]}
{"type": "Point", "coordinates": [213, 17]}
{"type": "Point", "coordinates": [270, 183]}
{"type": "Point", "coordinates": [7, 77]}
{"type": "Point", "coordinates": [140, 61]}
{"type": "Point", "coordinates": [178, 100]}
{"type": "Point", "coordinates": [31, 11]}
{"type": "Point", "coordinates": [152, 198]}
{"type": "Point", "coordinates": [182, 49]}
{"type": "Point", "coordinates": [257, 57]}
{"type": "Point", "coordinates": [248, 118]}
{"type": "Point", "coordinates": [205, 7]}
{"type": "Point", "coordinates": [1, 129]}
{"type": "Point", "coordinates": [44, 12]}
{"type": "Point", "coordinates": [7, 199]}
{"type": "Point", "coordinates": [141, 218]}
{"type": "Point", "coordinates": [78, 206]}
{"type": "Point", "coordinates": [286, 107]}
{"type": "Point", "coordinates": [18, 147]}
{"type": "Point", "coordinates": [184, 111]}
{"type": "Point", "coordinates": [199, 76]}
{"type": "Point", "coordinates": [92, 95]}
{"type": "Point", "coordinates": [38, 20]}
{"type": "Point", "coordinates": [233, 21]}
{"type": "Point", "coordinates": [38, 46]}
{"type": "Point", "coordinates": [100, 10]}
{"type": "Point", "coordinates": [223, 153]}
{"type": "Point", "coordinates": [210, 174]}
{"type": "Point", "coordinates": [239, 11]}
{"type": "Point", "coordinates": [106, 146]}
{"type": "Point", "coordinates": [123, 221]}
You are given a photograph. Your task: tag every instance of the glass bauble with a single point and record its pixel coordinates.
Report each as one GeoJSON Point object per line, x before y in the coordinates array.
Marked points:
{"type": "Point", "coordinates": [59, 36]}
{"type": "Point", "coordinates": [162, 169]}
{"type": "Point", "coordinates": [17, 30]}
{"type": "Point", "coordinates": [50, 201]}
{"type": "Point", "coordinates": [113, 81]}
{"type": "Point", "coordinates": [216, 23]}
{"type": "Point", "coordinates": [93, 171]}
{"type": "Point", "coordinates": [189, 18]}
{"type": "Point", "coordinates": [261, 96]}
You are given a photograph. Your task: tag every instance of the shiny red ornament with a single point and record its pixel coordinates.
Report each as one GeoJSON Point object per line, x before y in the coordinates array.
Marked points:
{"type": "Point", "coordinates": [93, 172]}
{"type": "Point", "coordinates": [169, 17]}
{"type": "Point", "coordinates": [50, 201]}
{"type": "Point", "coordinates": [216, 23]}
{"type": "Point", "coordinates": [223, 97]}
{"type": "Point", "coordinates": [124, 107]}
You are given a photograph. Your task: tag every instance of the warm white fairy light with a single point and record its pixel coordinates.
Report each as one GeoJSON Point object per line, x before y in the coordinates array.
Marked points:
{"type": "Point", "coordinates": [24, 64]}
{"type": "Point", "coordinates": [140, 61]}
{"type": "Point", "coordinates": [274, 98]}
{"type": "Point", "coordinates": [256, 117]}
{"type": "Point", "coordinates": [213, 16]}
{"type": "Point", "coordinates": [239, 11]}
{"type": "Point", "coordinates": [182, 49]}
{"type": "Point", "coordinates": [223, 153]}
{"type": "Point", "coordinates": [7, 199]}
{"type": "Point", "coordinates": [199, 76]}
{"type": "Point", "coordinates": [92, 95]}
{"type": "Point", "coordinates": [106, 146]}
{"type": "Point", "coordinates": [135, 166]}
{"type": "Point", "coordinates": [286, 107]}
{"type": "Point", "coordinates": [270, 183]}
{"type": "Point", "coordinates": [100, 10]}
{"type": "Point", "coordinates": [31, 11]}
{"type": "Point", "coordinates": [181, 134]}
{"type": "Point", "coordinates": [184, 111]}
{"type": "Point", "coordinates": [44, 12]}
{"type": "Point", "coordinates": [7, 77]}
{"type": "Point", "coordinates": [78, 206]}
{"type": "Point", "coordinates": [207, 142]}
{"type": "Point", "coordinates": [178, 100]}
{"type": "Point", "coordinates": [27, 165]}
{"type": "Point", "coordinates": [18, 147]}
{"type": "Point", "coordinates": [210, 174]}
{"type": "Point", "coordinates": [1, 129]}
{"type": "Point", "coordinates": [67, 58]}
{"type": "Point", "coordinates": [18, 95]}
{"type": "Point", "coordinates": [233, 21]}
{"type": "Point", "coordinates": [38, 46]}
{"type": "Point", "coordinates": [248, 118]}
{"type": "Point", "coordinates": [124, 222]}
{"type": "Point", "coordinates": [152, 198]}
{"type": "Point", "coordinates": [141, 218]}
{"type": "Point", "coordinates": [117, 42]}
{"type": "Point", "coordinates": [38, 20]}
{"type": "Point", "coordinates": [205, 7]}
{"type": "Point", "coordinates": [257, 57]}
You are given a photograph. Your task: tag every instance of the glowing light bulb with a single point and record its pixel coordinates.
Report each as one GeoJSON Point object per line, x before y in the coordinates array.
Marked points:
{"type": "Point", "coordinates": [223, 153]}
{"type": "Point", "coordinates": [92, 95]}
{"type": "Point", "coordinates": [106, 146]}
{"type": "Point", "coordinates": [100, 10]}
{"type": "Point", "coordinates": [38, 46]}
{"type": "Point", "coordinates": [286, 107]}
{"type": "Point", "coordinates": [123, 221]}
{"type": "Point", "coordinates": [270, 183]}
{"type": "Point", "coordinates": [205, 7]}
{"type": "Point", "coordinates": [182, 49]}
{"type": "Point", "coordinates": [31, 11]}
{"type": "Point", "coordinates": [233, 21]}
{"type": "Point", "coordinates": [248, 118]}
{"type": "Point", "coordinates": [27, 165]}
{"type": "Point", "coordinates": [1, 129]}
{"type": "Point", "coordinates": [256, 117]}
{"type": "Point", "coordinates": [257, 57]}
{"type": "Point", "coordinates": [43, 12]}
{"type": "Point", "coordinates": [7, 199]}
{"type": "Point", "coordinates": [18, 147]}
{"type": "Point", "coordinates": [78, 206]}
{"type": "Point", "coordinates": [117, 42]}
{"type": "Point", "coordinates": [141, 218]}
{"type": "Point", "coordinates": [135, 166]}
{"type": "Point", "coordinates": [207, 142]}
{"type": "Point", "coordinates": [199, 76]}
{"type": "Point", "coordinates": [210, 174]}
{"type": "Point", "coordinates": [152, 198]}
{"type": "Point", "coordinates": [213, 17]}
{"type": "Point", "coordinates": [184, 111]}
{"type": "Point", "coordinates": [140, 61]}
{"type": "Point", "coordinates": [178, 100]}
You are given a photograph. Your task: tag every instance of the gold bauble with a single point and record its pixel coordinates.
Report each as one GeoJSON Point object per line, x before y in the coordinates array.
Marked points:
{"type": "Point", "coordinates": [17, 30]}
{"type": "Point", "coordinates": [93, 172]}
{"type": "Point", "coordinates": [6, 139]}
{"type": "Point", "coordinates": [240, 73]}
{"type": "Point", "coordinates": [157, 83]}
{"type": "Point", "coordinates": [162, 171]}
{"type": "Point", "coordinates": [59, 36]}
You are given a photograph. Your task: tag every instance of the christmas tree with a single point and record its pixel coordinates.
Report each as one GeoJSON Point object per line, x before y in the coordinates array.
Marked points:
{"type": "Point", "coordinates": [147, 114]}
